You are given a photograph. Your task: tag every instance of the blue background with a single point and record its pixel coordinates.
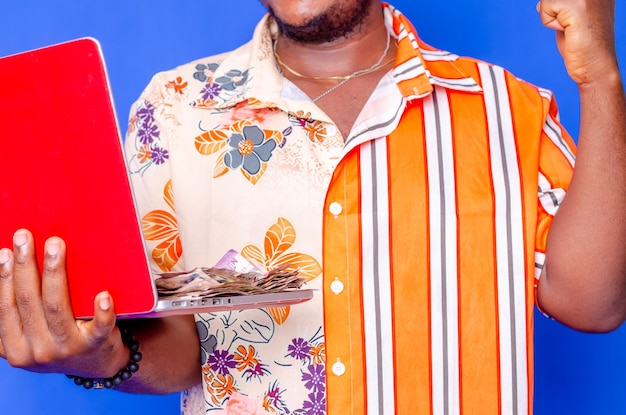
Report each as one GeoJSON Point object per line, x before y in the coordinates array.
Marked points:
{"type": "Point", "coordinates": [575, 373]}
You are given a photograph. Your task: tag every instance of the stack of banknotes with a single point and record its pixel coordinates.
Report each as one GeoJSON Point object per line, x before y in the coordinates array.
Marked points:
{"type": "Point", "coordinates": [231, 280]}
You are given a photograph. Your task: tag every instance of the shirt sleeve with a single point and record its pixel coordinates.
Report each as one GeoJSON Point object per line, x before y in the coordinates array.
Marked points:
{"type": "Point", "coordinates": [147, 154]}
{"type": "Point", "coordinates": [557, 155]}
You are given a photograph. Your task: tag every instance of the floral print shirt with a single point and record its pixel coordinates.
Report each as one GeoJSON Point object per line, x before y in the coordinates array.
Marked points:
{"type": "Point", "coordinates": [221, 157]}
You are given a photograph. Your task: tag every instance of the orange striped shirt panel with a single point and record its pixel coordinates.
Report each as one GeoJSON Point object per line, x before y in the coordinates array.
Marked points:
{"type": "Point", "coordinates": [441, 234]}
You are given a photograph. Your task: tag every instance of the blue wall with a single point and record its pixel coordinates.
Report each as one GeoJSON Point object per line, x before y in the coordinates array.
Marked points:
{"type": "Point", "coordinates": [575, 373]}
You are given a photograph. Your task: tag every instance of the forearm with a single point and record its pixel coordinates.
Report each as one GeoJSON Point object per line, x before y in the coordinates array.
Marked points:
{"type": "Point", "coordinates": [584, 281]}
{"type": "Point", "coordinates": [171, 355]}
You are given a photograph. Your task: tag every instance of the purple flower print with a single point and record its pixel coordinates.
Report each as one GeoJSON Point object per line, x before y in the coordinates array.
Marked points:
{"type": "Point", "coordinates": [221, 362]}
{"type": "Point", "coordinates": [316, 405]}
{"type": "Point", "coordinates": [159, 155]}
{"type": "Point", "coordinates": [299, 349]}
{"type": "Point", "coordinates": [248, 150]}
{"type": "Point", "coordinates": [145, 113]}
{"type": "Point", "coordinates": [147, 133]}
{"type": "Point", "coordinates": [315, 379]}
{"type": "Point", "coordinates": [210, 91]}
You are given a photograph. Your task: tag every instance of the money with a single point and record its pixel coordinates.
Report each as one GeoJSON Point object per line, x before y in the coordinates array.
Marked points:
{"type": "Point", "coordinates": [214, 282]}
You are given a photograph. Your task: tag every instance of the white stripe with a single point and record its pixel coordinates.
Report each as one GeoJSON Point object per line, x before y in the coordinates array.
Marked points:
{"type": "Point", "coordinates": [461, 84]}
{"type": "Point", "coordinates": [438, 55]}
{"type": "Point", "coordinates": [408, 70]}
{"type": "Point", "coordinates": [444, 289]}
{"type": "Point", "coordinates": [509, 245]}
{"type": "Point", "coordinates": [413, 39]}
{"type": "Point", "coordinates": [549, 198]}
{"type": "Point", "coordinates": [378, 314]}
{"type": "Point", "coordinates": [540, 261]}
{"type": "Point", "coordinates": [554, 132]}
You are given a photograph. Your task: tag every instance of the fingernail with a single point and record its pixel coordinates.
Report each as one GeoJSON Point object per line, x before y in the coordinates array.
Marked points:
{"type": "Point", "coordinates": [4, 257]}
{"type": "Point", "coordinates": [52, 248]}
{"type": "Point", "coordinates": [20, 238]}
{"type": "Point", "coordinates": [104, 301]}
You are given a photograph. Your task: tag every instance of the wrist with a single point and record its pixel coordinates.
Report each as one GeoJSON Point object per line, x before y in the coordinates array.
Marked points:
{"type": "Point", "coordinates": [606, 81]}
{"type": "Point", "coordinates": [131, 366]}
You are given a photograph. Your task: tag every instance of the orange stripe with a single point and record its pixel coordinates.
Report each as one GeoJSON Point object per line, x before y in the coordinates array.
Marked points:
{"type": "Point", "coordinates": [409, 245]}
{"type": "Point", "coordinates": [343, 318]}
{"type": "Point", "coordinates": [476, 233]}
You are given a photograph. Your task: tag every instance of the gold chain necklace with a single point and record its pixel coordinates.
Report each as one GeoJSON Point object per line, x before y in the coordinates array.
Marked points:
{"type": "Point", "coordinates": [379, 64]}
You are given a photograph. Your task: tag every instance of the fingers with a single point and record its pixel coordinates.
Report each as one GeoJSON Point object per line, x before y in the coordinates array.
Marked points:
{"type": "Point", "coordinates": [38, 331]}
{"type": "Point", "coordinates": [99, 329]}
{"type": "Point", "coordinates": [549, 15]}
{"type": "Point", "coordinates": [55, 293]}
{"type": "Point", "coordinates": [27, 284]}
{"type": "Point", "coordinates": [10, 322]}
{"type": "Point", "coordinates": [104, 338]}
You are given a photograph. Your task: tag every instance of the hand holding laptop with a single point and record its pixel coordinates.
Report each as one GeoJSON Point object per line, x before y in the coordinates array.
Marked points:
{"type": "Point", "coordinates": [38, 331]}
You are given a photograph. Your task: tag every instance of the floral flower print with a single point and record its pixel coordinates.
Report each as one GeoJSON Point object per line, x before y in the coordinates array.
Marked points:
{"type": "Point", "coordinates": [208, 342]}
{"type": "Point", "coordinates": [177, 85]}
{"type": "Point", "coordinates": [145, 113]}
{"type": "Point", "coordinates": [144, 154]}
{"type": "Point", "coordinates": [235, 347]}
{"type": "Point", "coordinates": [274, 399]}
{"type": "Point", "coordinates": [316, 405]}
{"type": "Point", "coordinates": [315, 378]}
{"type": "Point", "coordinates": [233, 79]}
{"type": "Point", "coordinates": [243, 145]}
{"type": "Point", "coordinates": [161, 226]}
{"type": "Point", "coordinates": [210, 91]}
{"type": "Point", "coordinates": [220, 387]}
{"type": "Point", "coordinates": [159, 155]}
{"type": "Point", "coordinates": [299, 349]}
{"type": "Point", "coordinates": [245, 358]}
{"type": "Point", "coordinates": [247, 361]}
{"type": "Point", "coordinates": [221, 362]}
{"type": "Point", "coordinates": [249, 149]}
{"type": "Point", "coordinates": [257, 372]}
{"type": "Point", "coordinates": [318, 354]}
{"type": "Point", "coordinates": [148, 134]}
{"type": "Point", "coordinates": [205, 71]}
{"type": "Point", "coordinates": [239, 404]}
{"type": "Point", "coordinates": [245, 110]}
{"type": "Point", "coordinates": [315, 129]}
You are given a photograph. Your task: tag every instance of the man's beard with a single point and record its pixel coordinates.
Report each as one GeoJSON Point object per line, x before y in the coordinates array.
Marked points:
{"type": "Point", "coordinates": [334, 23]}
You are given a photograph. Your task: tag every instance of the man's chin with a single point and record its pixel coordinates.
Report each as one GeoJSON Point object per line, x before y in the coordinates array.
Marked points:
{"type": "Point", "coordinates": [334, 23]}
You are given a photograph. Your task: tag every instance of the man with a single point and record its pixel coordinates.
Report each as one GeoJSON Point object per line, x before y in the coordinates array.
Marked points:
{"type": "Point", "coordinates": [422, 184]}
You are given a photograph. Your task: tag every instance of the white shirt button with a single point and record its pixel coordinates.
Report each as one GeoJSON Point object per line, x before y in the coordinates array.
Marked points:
{"type": "Point", "coordinates": [335, 208]}
{"type": "Point", "coordinates": [339, 368]}
{"type": "Point", "coordinates": [336, 286]}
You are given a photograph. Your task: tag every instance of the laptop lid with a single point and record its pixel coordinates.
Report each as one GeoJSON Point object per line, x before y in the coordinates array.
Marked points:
{"type": "Point", "coordinates": [63, 173]}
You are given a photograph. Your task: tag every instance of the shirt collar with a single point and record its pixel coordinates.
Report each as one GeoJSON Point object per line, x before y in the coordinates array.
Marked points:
{"type": "Point", "coordinates": [417, 69]}
{"type": "Point", "coordinates": [419, 66]}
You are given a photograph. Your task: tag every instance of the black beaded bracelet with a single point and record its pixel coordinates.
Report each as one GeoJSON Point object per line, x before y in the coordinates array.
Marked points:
{"type": "Point", "coordinates": [120, 377]}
